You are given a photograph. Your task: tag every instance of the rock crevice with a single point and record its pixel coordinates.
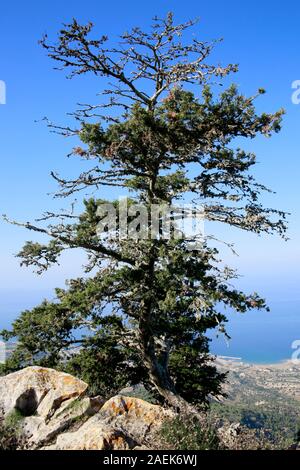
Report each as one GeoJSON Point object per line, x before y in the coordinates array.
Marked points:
{"type": "Point", "coordinates": [56, 413]}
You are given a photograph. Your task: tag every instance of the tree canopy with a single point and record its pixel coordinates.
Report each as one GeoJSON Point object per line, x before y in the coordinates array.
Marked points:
{"type": "Point", "coordinates": [163, 134]}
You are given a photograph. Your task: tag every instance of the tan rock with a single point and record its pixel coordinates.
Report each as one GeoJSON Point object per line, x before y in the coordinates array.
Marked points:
{"type": "Point", "coordinates": [93, 435]}
{"type": "Point", "coordinates": [72, 413]}
{"type": "Point", "coordinates": [133, 414]}
{"type": "Point", "coordinates": [56, 414]}
{"type": "Point", "coordinates": [122, 423]}
{"type": "Point", "coordinates": [38, 391]}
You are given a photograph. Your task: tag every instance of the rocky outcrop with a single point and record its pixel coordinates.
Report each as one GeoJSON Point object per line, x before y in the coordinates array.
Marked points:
{"type": "Point", "coordinates": [54, 413]}
{"type": "Point", "coordinates": [122, 423]}
{"type": "Point", "coordinates": [38, 390]}
{"type": "Point", "coordinates": [40, 432]}
{"type": "Point", "coordinates": [235, 436]}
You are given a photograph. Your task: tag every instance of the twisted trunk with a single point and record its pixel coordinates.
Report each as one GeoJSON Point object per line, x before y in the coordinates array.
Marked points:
{"type": "Point", "coordinates": [157, 369]}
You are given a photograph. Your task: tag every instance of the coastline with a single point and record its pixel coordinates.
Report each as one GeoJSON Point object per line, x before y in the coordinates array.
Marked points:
{"type": "Point", "coordinates": [238, 361]}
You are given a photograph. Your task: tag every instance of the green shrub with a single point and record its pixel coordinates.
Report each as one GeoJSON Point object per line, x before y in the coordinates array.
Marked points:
{"type": "Point", "coordinates": [14, 420]}
{"type": "Point", "coordinates": [186, 433]}
{"type": "Point", "coordinates": [10, 438]}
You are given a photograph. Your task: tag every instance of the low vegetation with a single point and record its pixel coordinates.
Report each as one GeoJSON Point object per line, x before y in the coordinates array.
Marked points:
{"type": "Point", "coordinates": [10, 436]}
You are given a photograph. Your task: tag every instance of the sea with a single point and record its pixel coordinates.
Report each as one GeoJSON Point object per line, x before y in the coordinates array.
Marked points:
{"type": "Point", "coordinates": [257, 337]}
{"type": "Point", "coordinates": [261, 337]}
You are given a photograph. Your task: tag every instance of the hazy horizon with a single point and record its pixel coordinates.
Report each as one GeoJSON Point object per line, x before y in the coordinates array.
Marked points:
{"type": "Point", "coordinates": [261, 37]}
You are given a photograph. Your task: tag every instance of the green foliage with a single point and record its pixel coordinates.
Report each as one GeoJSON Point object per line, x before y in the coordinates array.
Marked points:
{"type": "Point", "coordinates": [40, 256]}
{"type": "Point", "coordinates": [194, 374]}
{"type": "Point", "coordinates": [106, 367]}
{"type": "Point", "coordinates": [279, 422]}
{"type": "Point", "coordinates": [9, 438]}
{"type": "Point", "coordinates": [143, 313]}
{"type": "Point", "coordinates": [186, 433]}
{"type": "Point", "coordinates": [14, 420]}
{"type": "Point", "coordinates": [11, 431]}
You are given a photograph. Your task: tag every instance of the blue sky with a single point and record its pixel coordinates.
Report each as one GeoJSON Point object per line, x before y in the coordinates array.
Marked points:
{"type": "Point", "coordinates": [261, 36]}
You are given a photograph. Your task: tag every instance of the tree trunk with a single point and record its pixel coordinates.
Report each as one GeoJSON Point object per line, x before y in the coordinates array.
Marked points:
{"type": "Point", "coordinates": [159, 374]}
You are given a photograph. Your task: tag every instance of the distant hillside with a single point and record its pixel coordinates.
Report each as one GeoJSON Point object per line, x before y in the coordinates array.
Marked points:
{"type": "Point", "coordinates": [262, 397]}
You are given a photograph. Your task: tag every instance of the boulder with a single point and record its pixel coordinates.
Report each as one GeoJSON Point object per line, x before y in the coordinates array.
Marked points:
{"type": "Point", "coordinates": [122, 423]}
{"type": "Point", "coordinates": [133, 414]}
{"type": "Point", "coordinates": [235, 436]}
{"type": "Point", "coordinates": [72, 414]}
{"type": "Point", "coordinates": [38, 391]}
{"type": "Point", "coordinates": [51, 411]}
{"type": "Point", "coordinates": [93, 435]}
